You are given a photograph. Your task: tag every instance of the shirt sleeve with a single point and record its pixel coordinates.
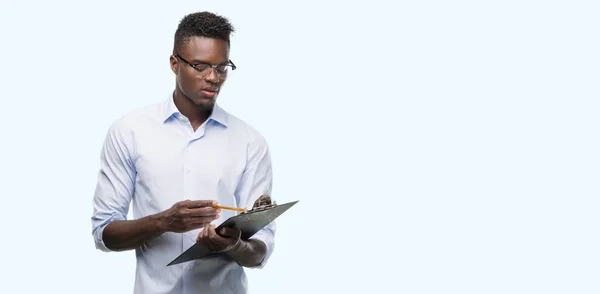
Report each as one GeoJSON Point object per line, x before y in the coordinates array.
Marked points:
{"type": "Point", "coordinates": [257, 180]}
{"type": "Point", "coordinates": [115, 185]}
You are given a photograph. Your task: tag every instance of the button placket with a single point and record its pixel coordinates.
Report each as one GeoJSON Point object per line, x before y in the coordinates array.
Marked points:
{"type": "Point", "coordinates": [189, 188]}
{"type": "Point", "coordinates": [187, 170]}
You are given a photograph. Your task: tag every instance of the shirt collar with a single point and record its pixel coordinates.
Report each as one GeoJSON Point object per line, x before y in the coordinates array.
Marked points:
{"type": "Point", "coordinates": [218, 114]}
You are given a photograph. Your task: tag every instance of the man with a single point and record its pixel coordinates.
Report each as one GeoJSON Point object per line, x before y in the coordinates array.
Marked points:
{"type": "Point", "coordinates": [174, 161]}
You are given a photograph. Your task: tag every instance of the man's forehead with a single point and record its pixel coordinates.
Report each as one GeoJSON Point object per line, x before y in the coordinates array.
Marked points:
{"type": "Point", "coordinates": [202, 48]}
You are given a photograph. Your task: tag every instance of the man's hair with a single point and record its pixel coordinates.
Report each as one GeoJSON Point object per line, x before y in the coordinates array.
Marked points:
{"type": "Point", "coordinates": [202, 24]}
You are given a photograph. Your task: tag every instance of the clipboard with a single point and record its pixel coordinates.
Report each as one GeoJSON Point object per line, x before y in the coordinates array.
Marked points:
{"type": "Point", "coordinates": [248, 222]}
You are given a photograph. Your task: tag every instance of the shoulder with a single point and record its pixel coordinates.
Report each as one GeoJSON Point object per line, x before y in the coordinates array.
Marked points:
{"type": "Point", "coordinates": [125, 127]}
{"type": "Point", "coordinates": [246, 131]}
{"type": "Point", "coordinates": [136, 119]}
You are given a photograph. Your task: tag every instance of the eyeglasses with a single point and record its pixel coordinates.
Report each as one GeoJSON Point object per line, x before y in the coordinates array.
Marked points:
{"type": "Point", "coordinates": [203, 67]}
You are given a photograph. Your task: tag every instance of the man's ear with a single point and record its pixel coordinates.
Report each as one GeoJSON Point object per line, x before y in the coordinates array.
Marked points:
{"type": "Point", "coordinates": [174, 63]}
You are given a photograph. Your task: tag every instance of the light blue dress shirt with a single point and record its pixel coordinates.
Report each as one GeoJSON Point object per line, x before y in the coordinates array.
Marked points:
{"type": "Point", "coordinates": [152, 158]}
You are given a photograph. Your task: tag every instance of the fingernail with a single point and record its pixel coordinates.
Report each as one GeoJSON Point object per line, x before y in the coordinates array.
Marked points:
{"type": "Point", "coordinates": [218, 215]}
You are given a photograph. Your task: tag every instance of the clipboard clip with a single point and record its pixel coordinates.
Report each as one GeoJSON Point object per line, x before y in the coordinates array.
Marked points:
{"type": "Point", "coordinates": [263, 202]}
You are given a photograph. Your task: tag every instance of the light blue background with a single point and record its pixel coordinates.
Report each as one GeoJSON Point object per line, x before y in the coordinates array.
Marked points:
{"type": "Point", "coordinates": [435, 146]}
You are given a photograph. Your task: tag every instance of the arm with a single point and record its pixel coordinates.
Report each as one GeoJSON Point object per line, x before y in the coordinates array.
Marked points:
{"type": "Point", "coordinates": [114, 191]}
{"type": "Point", "coordinates": [113, 194]}
{"type": "Point", "coordinates": [256, 180]}
{"type": "Point", "coordinates": [124, 235]}
{"type": "Point", "coordinates": [249, 253]}
{"type": "Point", "coordinates": [183, 216]}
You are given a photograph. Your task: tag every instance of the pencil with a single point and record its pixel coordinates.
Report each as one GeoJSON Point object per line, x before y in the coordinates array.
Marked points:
{"type": "Point", "coordinates": [230, 208]}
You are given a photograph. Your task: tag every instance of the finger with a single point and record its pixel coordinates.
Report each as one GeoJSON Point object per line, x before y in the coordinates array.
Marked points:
{"type": "Point", "coordinates": [211, 232]}
{"type": "Point", "coordinates": [229, 238]}
{"type": "Point", "coordinates": [200, 221]}
{"type": "Point", "coordinates": [204, 211]}
{"type": "Point", "coordinates": [217, 243]}
{"type": "Point", "coordinates": [204, 232]}
{"type": "Point", "coordinates": [230, 233]}
{"type": "Point", "coordinates": [215, 238]}
{"type": "Point", "coordinates": [201, 203]}
{"type": "Point", "coordinates": [200, 236]}
{"type": "Point", "coordinates": [213, 241]}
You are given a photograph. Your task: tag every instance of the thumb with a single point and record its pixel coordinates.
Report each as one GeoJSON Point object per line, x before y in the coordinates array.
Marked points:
{"type": "Point", "coordinates": [231, 233]}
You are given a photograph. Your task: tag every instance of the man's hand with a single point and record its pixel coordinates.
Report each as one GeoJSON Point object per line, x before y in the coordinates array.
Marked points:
{"type": "Point", "coordinates": [188, 215]}
{"type": "Point", "coordinates": [228, 238]}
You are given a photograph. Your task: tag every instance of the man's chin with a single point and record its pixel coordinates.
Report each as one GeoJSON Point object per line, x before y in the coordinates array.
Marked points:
{"type": "Point", "coordinates": [205, 103]}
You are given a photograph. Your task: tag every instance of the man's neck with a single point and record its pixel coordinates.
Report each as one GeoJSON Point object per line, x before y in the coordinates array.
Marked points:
{"type": "Point", "coordinates": [195, 114]}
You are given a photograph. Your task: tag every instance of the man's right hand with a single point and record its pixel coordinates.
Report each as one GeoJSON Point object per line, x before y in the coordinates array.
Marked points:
{"type": "Point", "coordinates": [188, 215]}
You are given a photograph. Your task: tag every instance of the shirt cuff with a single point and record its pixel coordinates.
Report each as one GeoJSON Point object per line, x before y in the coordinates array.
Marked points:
{"type": "Point", "coordinates": [98, 233]}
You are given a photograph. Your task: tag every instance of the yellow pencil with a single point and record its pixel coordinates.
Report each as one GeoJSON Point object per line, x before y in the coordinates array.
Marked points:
{"type": "Point", "coordinates": [230, 208]}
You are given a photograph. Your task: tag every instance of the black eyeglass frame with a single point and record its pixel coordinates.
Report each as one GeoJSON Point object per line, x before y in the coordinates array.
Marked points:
{"type": "Point", "coordinates": [194, 66]}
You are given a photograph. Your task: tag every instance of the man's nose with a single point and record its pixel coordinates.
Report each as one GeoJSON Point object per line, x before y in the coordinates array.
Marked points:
{"type": "Point", "coordinates": [212, 75]}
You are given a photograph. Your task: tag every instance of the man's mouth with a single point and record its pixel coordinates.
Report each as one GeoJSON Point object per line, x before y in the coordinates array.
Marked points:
{"type": "Point", "coordinates": [209, 92]}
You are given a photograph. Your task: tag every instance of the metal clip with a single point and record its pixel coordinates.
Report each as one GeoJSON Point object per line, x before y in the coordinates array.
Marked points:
{"type": "Point", "coordinates": [262, 203]}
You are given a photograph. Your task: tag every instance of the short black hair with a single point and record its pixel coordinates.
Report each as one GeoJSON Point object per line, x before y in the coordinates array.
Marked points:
{"type": "Point", "coordinates": [202, 24]}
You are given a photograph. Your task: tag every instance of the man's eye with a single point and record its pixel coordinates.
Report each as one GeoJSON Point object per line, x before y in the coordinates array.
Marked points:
{"type": "Point", "coordinates": [222, 68]}
{"type": "Point", "coordinates": [202, 67]}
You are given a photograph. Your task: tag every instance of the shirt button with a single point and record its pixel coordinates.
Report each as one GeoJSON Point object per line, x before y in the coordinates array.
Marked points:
{"type": "Point", "coordinates": [189, 268]}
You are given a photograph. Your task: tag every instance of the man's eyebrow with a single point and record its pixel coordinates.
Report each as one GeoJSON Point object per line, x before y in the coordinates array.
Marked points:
{"type": "Point", "coordinates": [197, 61]}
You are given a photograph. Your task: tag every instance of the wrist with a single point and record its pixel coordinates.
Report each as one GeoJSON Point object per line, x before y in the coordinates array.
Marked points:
{"type": "Point", "coordinates": [248, 253]}
{"type": "Point", "coordinates": [237, 248]}
{"type": "Point", "coordinates": [157, 223]}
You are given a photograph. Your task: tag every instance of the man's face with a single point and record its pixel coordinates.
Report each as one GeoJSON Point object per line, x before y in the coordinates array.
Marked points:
{"type": "Point", "coordinates": [201, 84]}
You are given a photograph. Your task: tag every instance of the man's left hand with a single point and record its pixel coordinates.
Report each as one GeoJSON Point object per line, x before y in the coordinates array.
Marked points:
{"type": "Point", "coordinates": [226, 240]}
